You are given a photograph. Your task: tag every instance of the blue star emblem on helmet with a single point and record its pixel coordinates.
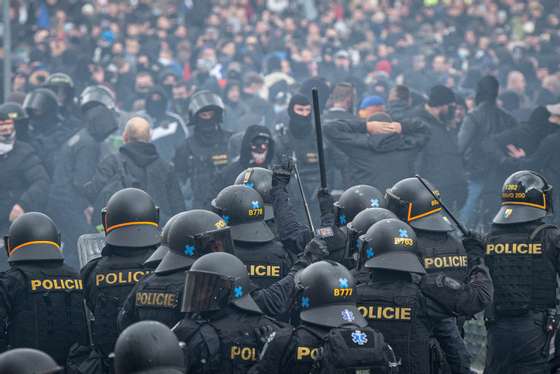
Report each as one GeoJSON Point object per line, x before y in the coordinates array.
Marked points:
{"type": "Point", "coordinates": [343, 282]}
{"type": "Point", "coordinates": [226, 218]}
{"type": "Point", "coordinates": [189, 250]}
{"type": "Point", "coordinates": [370, 252]}
{"type": "Point", "coordinates": [250, 184]}
{"type": "Point", "coordinates": [359, 337]}
{"type": "Point", "coordinates": [305, 302]}
{"type": "Point", "coordinates": [403, 233]}
{"type": "Point", "coordinates": [238, 292]}
{"type": "Point", "coordinates": [374, 203]}
{"type": "Point", "coordinates": [255, 204]}
{"type": "Point", "coordinates": [342, 219]}
{"type": "Point", "coordinates": [347, 315]}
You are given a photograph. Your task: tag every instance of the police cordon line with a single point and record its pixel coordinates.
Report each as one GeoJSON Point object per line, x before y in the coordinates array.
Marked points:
{"type": "Point", "coordinates": [384, 285]}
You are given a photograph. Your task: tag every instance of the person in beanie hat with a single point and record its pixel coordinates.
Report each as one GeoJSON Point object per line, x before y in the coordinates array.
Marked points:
{"type": "Point", "coordinates": [440, 162]}
{"type": "Point", "coordinates": [484, 173]}
{"type": "Point", "coordinates": [371, 105]}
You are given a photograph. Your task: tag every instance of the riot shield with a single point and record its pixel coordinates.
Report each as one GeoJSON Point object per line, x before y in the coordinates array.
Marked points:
{"type": "Point", "coordinates": [89, 247]}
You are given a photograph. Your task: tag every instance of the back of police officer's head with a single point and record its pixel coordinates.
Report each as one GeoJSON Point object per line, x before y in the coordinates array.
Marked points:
{"type": "Point", "coordinates": [28, 361]}
{"type": "Point", "coordinates": [148, 347]}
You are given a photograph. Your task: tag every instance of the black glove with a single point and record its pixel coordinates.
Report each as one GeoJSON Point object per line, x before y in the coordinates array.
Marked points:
{"type": "Point", "coordinates": [473, 244]}
{"type": "Point", "coordinates": [263, 333]}
{"type": "Point", "coordinates": [326, 201]}
{"type": "Point", "coordinates": [316, 250]}
{"type": "Point", "coordinates": [282, 172]}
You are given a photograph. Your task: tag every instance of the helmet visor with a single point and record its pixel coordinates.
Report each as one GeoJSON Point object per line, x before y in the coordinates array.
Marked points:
{"type": "Point", "coordinates": [206, 292]}
{"type": "Point", "coordinates": [215, 241]}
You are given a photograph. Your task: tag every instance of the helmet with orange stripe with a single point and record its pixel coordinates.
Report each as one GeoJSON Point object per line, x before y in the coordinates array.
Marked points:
{"type": "Point", "coordinates": [526, 197]}
{"type": "Point", "coordinates": [33, 236]}
{"type": "Point", "coordinates": [130, 219]}
{"type": "Point", "coordinates": [415, 205]}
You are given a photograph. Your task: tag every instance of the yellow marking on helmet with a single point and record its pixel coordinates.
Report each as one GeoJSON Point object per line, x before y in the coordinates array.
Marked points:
{"type": "Point", "coordinates": [35, 242]}
{"type": "Point", "coordinates": [543, 206]}
{"type": "Point", "coordinates": [121, 225]}
{"type": "Point", "coordinates": [412, 218]}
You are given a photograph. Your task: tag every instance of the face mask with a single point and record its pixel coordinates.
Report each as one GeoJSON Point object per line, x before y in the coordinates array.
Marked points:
{"type": "Point", "coordinates": [447, 116]}
{"type": "Point", "coordinates": [7, 142]}
{"type": "Point", "coordinates": [259, 151]}
{"type": "Point", "coordinates": [155, 108]}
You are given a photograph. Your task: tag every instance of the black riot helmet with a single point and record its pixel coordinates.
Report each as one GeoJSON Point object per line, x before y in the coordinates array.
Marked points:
{"type": "Point", "coordinates": [33, 236]}
{"type": "Point", "coordinates": [327, 295]}
{"type": "Point", "coordinates": [216, 280]}
{"type": "Point", "coordinates": [360, 225]}
{"type": "Point", "coordinates": [191, 235]}
{"type": "Point", "coordinates": [148, 347]}
{"type": "Point", "coordinates": [131, 219]}
{"type": "Point", "coordinates": [243, 210]}
{"type": "Point", "coordinates": [28, 361]}
{"type": "Point", "coordinates": [261, 180]}
{"type": "Point", "coordinates": [154, 260]}
{"type": "Point", "coordinates": [63, 86]}
{"type": "Point", "coordinates": [354, 200]}
{"type": "Point", "coordinates": [41, 104]}
{"type": "Point", "coordinates": [97, 95]}
{"type": "Point", "coordinates": [390, 244]}
{"type": "Point", "coordinates": [415, 205]}
{"type": "Point", "coordinates": [205, 101]}
{"type": "Point", "coordinates": [526, 197]}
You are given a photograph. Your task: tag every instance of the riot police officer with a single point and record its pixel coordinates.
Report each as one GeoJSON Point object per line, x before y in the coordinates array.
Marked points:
{"type": "Point", "coordinates": [261, 180]}
{"type": "Point", "coordinates": [243, 210]}
{"type": "Point", "coordinates": [334, 216]}
{"type": "Point", "coordinates": [224, 328]}
{"type": "Point", "coordinates": [131, 225]}
{"type": "Point", "coordinates": [441, 252]}
{"type": "Point", "coordinates": [47, 131]}
{"type": "Point", "coordinates": [28, 361]}
{"type": "Point", "coordinates": [204, 153]}
{"type": "Point", "coordinates": [332, 333]}
{"type": "Point", "coordinates": [358, 227]}
{"type": "Point", "coordinates": [352, 201]}
{"type": "Point", "coordinates": [404, 311]}
{"type": "Point", "coordinates": [148, 346]}
{"type": "Point", "coordinates": [63, 86]}
{"type": "Point", "coordinates": [97, 95]}
{"type": "Point", "coordinates": [158, 295]}
{"type": "Point", "coordinates": [522, 254]}
{"type": "Point", "coordinates": [155, 259]}
{"type": "Point", "coordinates": [41, 297]}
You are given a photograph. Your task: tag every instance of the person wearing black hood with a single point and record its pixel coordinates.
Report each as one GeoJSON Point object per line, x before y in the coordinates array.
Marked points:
{"type": "Point", "coordinates": [168, 129]}
{"type": "Point", "coordinates": [440, 162]}
{"type": "Point", "coordinates": [75, 165]}
{"type": "Point", "coordinates": [257, 149]}
{"type": "Point", "coordinates": [296, 139]}
{"type": "Point", "coordinates": [205, 152]}
{"type": "Point", "coordinates": [484, 174]}
{"type": "Point", "coordinates": [47, 131]}
{"type": "Point", "coordinates": [138, 165]}
{"type": "Point", "coordinates": [24, 181]}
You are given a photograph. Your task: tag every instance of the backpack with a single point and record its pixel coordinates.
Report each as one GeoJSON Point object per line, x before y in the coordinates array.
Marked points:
{"type": "Point", "coordinates": [355, 350]}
